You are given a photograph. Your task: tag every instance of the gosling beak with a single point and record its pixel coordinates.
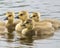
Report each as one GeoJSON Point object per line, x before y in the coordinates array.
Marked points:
{"type": "Point", "coordinates": [23, 25]}
{"type": "Point", "coordinates": [17, 17]}
{"type": "Point", "coordinates": [6, 18]}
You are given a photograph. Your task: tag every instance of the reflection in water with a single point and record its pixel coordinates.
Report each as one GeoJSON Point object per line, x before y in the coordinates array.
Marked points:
{"type": "Point", "coordinates": [42, 36]}
{"type": "Point", "coordinates": [27, 41]}
{"type": "Point", "coordinates": [20, 43]}
{"type": "Point", "coordinates": [10, 37]}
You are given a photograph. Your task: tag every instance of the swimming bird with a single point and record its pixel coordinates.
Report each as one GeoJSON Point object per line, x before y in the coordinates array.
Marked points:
{"type": "Point", "coordinates": [41, 27]}
{"type": "Point", "coordinates": [10, 23]}
{"type": "Point", "coordinates": [55, 23]}
{"type": "Point", "coordinates": [23, 16]}
{"type": "Point", "coordinates": [28, 31]}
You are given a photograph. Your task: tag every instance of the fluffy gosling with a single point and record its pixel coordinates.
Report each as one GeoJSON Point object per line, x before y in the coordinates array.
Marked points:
{"type": "Point", "coordinates": [10, 24]}
{"type": "Point", "coordinates": [23, 16]}
{"type": "Point", "coordinates": [55, 23]}
{"type": "Point", "coordinates": [28, 31]}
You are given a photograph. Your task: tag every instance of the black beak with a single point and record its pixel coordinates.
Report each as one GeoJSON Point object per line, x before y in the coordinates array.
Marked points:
{"type": "Point", "coordinates": [17, 17]}
{"type": "Point", "coordinates": [6, 18]}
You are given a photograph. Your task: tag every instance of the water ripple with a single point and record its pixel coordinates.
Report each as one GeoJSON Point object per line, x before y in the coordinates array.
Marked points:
{"type": "Point", "coordinates": [18, 6]}
{"type": "Point", "coordinates": [57, 5]}
{"type": "Point", "coordinates": [46, 3]}
{"type": "Point", "coordinates": [19, 1]}
{"type": "Point", "coordinates": [56, 12]}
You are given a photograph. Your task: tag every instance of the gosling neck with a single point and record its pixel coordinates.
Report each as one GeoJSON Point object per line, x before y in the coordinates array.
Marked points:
{"type": "Point", "coordinates": [29, 28]}
{"type": "Point", "coordinates": [10, 21]}
{"type": "Point", "coordinates": [24, 20]}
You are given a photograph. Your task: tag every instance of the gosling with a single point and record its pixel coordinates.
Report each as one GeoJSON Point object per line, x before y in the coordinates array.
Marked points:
{"type": "Point", "coordinates": [44, 27]}
{"type": "Point", "coordinates": [28, 31]}
{"type": "Point", "coordinates": [36, 17]}
{"type": "Point", "coordinates": [23, 16]}
{"type": "Point", "coordinates": [55, 23]}
{"type": "Point", "coordinates": [10, 24]}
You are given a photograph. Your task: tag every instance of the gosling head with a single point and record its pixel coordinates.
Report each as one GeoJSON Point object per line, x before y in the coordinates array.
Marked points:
{"type": "Point", "coordinates": [23, 15]}
{"type": "Point", "coordinates": [10, 16]}
{"type": "Point", "coordinates": [35, 16]}
{"type": "Point", "coordinates": [28, 23]}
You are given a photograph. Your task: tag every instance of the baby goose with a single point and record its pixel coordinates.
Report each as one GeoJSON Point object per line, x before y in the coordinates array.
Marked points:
{"type": "Point", "coordinates": [10, 24]}
{"type": "Point", "coordinates": [55, 23]}
{"type": "Point", "coordinates": [23, 16]}
{"type": "Point", "coordinates": [28, 31]}
{"type": "Point", "coordinates": [41, 27]}
{"type": "Point", "coordinates": [44, 27]}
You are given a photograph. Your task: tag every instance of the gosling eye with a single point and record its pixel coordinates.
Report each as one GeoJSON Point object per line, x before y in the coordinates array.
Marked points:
{"type": "Point", "coordinates": [9, 15]}
{"type": "Point", "coordinates": [34, 16]}
{"type": "Point", "coordinates": [21, 14]}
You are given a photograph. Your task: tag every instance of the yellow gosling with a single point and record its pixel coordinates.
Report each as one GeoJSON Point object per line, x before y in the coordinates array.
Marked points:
{"type": "Point", "coordinates": [36, 20]}
{"type": "Point", "coordinates": [23, 16]}
{"type": "Point", "coordinates": [36, 17]}
{"type": "Point", "coordinates": [28, 31]}
{"type": "Point", "coordinates": [41, 27]}
{"type": "Point", "coordinates": [10, 24]}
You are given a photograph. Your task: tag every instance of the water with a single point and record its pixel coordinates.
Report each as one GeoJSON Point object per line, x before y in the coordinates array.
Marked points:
{"type": "Point", "coordinates": [48, 9]}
